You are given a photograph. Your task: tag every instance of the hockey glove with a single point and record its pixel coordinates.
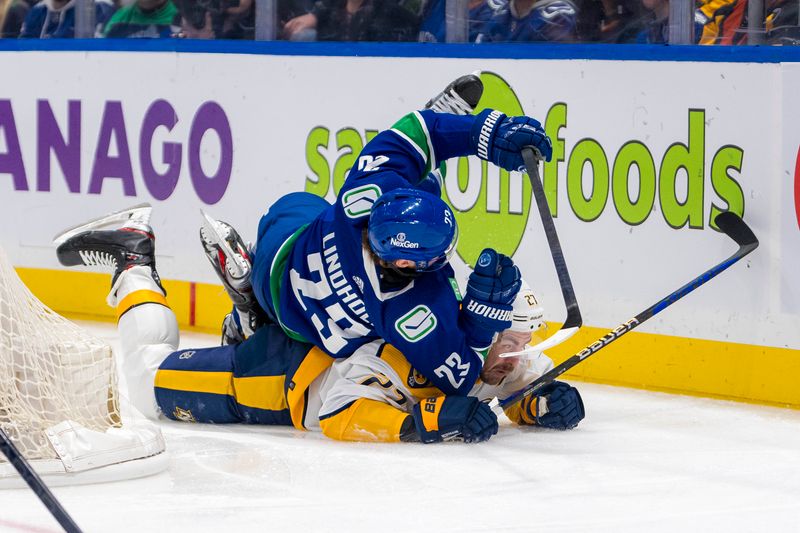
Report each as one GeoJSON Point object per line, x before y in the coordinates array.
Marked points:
{"type": "Point", "coordinates": [557, 406]}
{"type": "Point", "coordinates": [486, 308]}
{"type": "Point", "coordinates": [446, 418]}
{"type": "Point", "coordinates": [500, 139]}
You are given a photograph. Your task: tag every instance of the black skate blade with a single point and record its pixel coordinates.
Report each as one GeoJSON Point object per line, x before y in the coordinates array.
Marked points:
{"type": "Point", "coordinates": [116, 219]}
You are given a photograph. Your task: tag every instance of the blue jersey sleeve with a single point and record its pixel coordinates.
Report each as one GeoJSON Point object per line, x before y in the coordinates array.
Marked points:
{"type": "Point", "coordinates": [403, 155]}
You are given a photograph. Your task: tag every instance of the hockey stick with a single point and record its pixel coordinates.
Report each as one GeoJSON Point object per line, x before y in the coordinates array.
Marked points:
{"type": "Point", "coordinates": [574, 321]}
{"type": "Point", "coordinates": [36, 484]}
{"type": "Point", "coordinates": [730, 224]}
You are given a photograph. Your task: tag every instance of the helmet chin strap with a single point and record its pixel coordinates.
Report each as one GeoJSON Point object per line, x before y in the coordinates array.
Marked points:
{"type": "Point", "coordinates": [398, 276]}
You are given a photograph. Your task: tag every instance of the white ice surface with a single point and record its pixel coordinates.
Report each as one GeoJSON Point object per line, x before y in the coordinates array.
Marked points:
{"type": "Point", "coordinates": [640, 461]}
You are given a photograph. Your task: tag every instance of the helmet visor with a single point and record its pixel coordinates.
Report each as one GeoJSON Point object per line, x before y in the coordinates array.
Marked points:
{"type": "Point", "coordinates": [440, 260]}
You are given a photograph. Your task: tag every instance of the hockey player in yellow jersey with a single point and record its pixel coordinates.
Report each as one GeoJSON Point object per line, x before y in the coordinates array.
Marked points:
{"type": "Point", "coordinates": [373, 395]}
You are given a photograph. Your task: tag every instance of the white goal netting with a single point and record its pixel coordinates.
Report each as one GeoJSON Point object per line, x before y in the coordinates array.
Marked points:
{"type": "Point", "coordinates": [59, 401]}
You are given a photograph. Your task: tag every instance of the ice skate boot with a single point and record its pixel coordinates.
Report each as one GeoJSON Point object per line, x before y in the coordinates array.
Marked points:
{"type": "Point", "coordinates": [120, 240]}
{"type": "Point", "coordinates": [230, 258]}
{"type": "Point", "coordinates": [460, 97]}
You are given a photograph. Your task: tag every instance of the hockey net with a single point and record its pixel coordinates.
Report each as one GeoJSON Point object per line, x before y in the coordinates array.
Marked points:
{"type": "Point", "coordinates": [59, 398]}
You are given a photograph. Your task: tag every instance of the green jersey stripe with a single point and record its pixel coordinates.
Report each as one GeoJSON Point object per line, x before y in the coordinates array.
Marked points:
{"type": "Point", "coordinates": [412, 129]}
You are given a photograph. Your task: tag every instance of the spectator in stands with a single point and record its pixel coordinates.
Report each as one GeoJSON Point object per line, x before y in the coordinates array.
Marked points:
{"type": "Point", "coordinates": [354, 20]}
{"type": "Point", "coordinates": [196, 27]}
{"type": "Point", "coordinates": [12, 15]}
{"type": "Point", "coordinates": [725, 22]}
{"type": "Point", "coordinates": [607, 20]}
{"type": "Point", "coordinates": [652, 27]}
{"type": "Point", "coordinates": [220, 19]}
{"type": "Point", "coordinates": [432, 29]}
{"type": "Point", "coordinates": [532, 20]}
{"type": "Point", "coordinates": [237, 21]}
{"type": "Point", "coordinates": [145, 19]}
{"type": "Point", "coordinates": [721, 22]}
{"type": "Point", "coordinates": [783, 23]}
{"type": "Point", "coordinates": [56, 19]}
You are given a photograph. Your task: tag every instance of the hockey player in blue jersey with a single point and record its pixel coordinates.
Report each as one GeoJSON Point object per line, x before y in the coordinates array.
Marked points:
{"type": "Point", "coordinates": [374, 395]}
{"type": "Point", "coordinates": [374, 265]}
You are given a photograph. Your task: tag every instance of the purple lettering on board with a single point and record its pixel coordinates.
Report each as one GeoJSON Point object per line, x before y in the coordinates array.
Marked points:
{"type": "Point", "coordinates": [161, 186]}
{"type": "Point", "coordinates": [210, 189]}
{"type": "Point", "coordinates": [105, 165]}
{"type": "Point", "coordinates": [11, 161]}
{"type": "Point", "coordinates": [68, 152]}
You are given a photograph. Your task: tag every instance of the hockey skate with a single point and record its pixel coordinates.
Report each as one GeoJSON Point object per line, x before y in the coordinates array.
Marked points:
{"type": "Point", "coordinates": [230, 258]}
{"type": "Point", "coordinates": [460, 97]}
{"type": "Point", "coordinates": [119, 240]}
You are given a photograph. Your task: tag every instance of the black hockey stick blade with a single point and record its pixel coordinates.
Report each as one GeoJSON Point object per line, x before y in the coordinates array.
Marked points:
{"type": "Point", "coordinates": [734, 227]}
{"type": "Point", "coordinates": [36, 484]}
{"type": "Point", "coordinates": [531, 157]}
{"type": "Point", "coordinates": [730, 224]}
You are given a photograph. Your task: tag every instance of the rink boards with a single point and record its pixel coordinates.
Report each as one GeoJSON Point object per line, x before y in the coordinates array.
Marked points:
{"type": "Point", "coordinates": [646, 153]}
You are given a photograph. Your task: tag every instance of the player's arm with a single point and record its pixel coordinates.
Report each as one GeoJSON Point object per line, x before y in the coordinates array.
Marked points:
{"type": "Point", "coordinates": [420, 141]}
{"type": "Point", "coordinates": [365, 399]}
{"type": "Point", "coordinates": [557, 406]}
{"type": "Point", "coordinates": [434, 419]}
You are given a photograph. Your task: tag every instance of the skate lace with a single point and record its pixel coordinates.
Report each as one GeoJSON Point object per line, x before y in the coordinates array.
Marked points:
{"type": "Point", "coordinates": [97, 258]}
{"type": "Point", "coordinates": [450, 102]}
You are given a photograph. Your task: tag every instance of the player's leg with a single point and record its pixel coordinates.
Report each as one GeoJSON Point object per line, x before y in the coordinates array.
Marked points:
{"type": "Point", "coordinates": [284, 220]}
{"type": "Point", "coordinates": [245, 382]}
{"type": "Point", "coordinates": [147, 326]}
{"type": "Point", "coordinates": [231, 260]}
{"type": "Point", "coordinates": [246, 272]}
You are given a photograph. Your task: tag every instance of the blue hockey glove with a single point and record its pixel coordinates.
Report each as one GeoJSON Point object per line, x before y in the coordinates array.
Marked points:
{"type": "Point", "coordinates": [557, 406]}
{"type": "Point", "coordinates": [486, 308]}
{"type": "Point", "coordinates": [500, 139]}
{"type": "Point", "coordinates": [446, 418]}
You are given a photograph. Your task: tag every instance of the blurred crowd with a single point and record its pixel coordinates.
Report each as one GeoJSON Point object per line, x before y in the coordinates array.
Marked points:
{"type": "Point", "coordinates": [589, 21]}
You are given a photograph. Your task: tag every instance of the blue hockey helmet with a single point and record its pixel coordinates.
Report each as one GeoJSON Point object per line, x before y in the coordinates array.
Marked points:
{"type": "Point", "coordinates": [414, 225]}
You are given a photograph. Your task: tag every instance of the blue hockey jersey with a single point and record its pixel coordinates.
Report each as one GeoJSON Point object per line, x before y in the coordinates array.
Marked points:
{"type": "Point", "coordinates": [44, 21]}
{"type": "Point", "coordinates": [331, 292]}
{"type": "Point", "coordinates": [547, 20]}
{"type": "Point", "coordinates": [432, 27]}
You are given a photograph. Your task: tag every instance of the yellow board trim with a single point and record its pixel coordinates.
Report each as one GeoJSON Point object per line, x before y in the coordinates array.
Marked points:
{"type": "Point", "coordinates": [724, 370]}
{"type": "Point", "coordinates": [716, 369]}
{"type": "Point", "coordinates": [138, 298]}
{"type": "Point", "coordinates": [194, 381]}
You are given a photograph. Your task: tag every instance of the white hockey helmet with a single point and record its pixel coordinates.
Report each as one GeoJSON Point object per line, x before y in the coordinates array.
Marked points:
{"type": "Point", "coordinates": [527, 315]}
